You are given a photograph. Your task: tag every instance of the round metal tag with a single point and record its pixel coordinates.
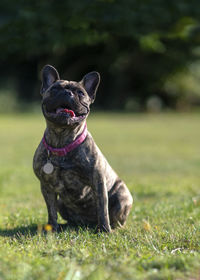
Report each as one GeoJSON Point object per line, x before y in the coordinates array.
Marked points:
{"type": "Point", "coordinates": [48, 168]}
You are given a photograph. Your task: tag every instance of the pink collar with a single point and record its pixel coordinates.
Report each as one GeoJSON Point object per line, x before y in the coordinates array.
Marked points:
{"type": "Point", "coordinates": [68, 148]}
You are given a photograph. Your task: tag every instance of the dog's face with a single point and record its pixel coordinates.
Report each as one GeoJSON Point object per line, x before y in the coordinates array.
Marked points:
{"type": "Point", "coordinates": [64, 102]}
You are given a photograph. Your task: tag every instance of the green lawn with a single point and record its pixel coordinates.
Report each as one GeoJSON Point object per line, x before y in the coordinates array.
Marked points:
{"type": "Point", "coordinates": [158, 156]}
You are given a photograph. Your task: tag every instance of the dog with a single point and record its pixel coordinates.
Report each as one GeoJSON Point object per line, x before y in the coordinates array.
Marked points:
{"type": "Point", "coordinates": [76, 180]}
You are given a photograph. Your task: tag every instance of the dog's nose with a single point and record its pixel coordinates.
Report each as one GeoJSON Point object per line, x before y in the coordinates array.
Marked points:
{"type": "Point", "coordinates": [69, 92]}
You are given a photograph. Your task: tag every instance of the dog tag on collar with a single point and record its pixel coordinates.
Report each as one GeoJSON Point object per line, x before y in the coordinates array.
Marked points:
{"type": "Point", "coordinates": [48, 167]}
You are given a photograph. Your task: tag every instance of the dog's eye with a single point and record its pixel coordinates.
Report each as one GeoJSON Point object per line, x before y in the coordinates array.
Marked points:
{"type": "Point", "coordinates": [80, 92]}
{"type": "Point", "coordinates": [55, 89]}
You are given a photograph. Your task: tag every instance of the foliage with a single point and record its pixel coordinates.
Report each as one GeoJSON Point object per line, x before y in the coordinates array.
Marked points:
{"type": "Point", "coordinates": [135, 44]}
{"type": "Point", "coordinates": [155, 155]}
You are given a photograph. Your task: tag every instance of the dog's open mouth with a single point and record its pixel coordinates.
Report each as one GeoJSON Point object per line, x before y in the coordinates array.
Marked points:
{"type": "Point", "coordinates": [70, 114]}
{"type": "Point", "coordinates": [66, 111]}
{"type": "Point", "coordinates": [64, 115]}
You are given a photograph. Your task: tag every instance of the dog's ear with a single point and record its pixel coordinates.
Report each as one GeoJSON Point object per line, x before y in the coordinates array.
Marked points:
{"type": "Point", "coordinates": [49, 76]}
{"type": "Point", "coordinates": [91, 82]}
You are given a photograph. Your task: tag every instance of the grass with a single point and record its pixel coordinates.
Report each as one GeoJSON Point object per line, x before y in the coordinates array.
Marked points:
{"type": "Point", "coordinates": [159, 158]}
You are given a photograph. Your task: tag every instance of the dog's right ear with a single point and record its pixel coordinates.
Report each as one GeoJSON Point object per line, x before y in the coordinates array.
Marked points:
{"type": "Point", "coordinates": [49, 76]}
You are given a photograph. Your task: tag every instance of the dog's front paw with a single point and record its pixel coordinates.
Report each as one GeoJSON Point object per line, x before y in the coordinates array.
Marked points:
{"type": "Point", "coordinates": [104, 228]}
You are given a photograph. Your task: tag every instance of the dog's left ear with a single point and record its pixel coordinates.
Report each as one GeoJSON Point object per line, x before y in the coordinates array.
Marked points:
{"type": "Point", "coordinates": [49, 76]}
{"type": "Point", "coordinates": [91, 82]}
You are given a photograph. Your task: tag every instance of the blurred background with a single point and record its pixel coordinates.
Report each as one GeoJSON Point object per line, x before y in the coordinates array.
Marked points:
{"type": "Point", "coordinates": [147, 52]}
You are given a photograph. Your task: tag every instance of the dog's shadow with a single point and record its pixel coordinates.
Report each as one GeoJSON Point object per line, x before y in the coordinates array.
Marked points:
{"type": "Point", "coordinates": [30, 230]}
{"type": "Point", "coordinates": [33, 230]}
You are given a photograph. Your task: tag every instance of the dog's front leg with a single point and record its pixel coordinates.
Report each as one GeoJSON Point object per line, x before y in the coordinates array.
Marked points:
{"type": "Point", "coordinates": [102, 204]}
{"type": "Point", "coordinates": [51, 201]}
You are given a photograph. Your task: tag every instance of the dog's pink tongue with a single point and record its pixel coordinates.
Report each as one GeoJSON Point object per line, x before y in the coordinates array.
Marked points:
{"type": "Point", "coordinates": [69, 112]}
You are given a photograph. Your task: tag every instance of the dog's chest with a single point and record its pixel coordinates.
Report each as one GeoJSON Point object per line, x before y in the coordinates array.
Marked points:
{"type": "Point", "coordinates": [68, 178]}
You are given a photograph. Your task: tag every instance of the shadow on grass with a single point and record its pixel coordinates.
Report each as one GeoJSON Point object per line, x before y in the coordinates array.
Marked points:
{"type": "Point", "coordinates": [19, 231]}
{"type": "Point", "coordinates": [33, 230]}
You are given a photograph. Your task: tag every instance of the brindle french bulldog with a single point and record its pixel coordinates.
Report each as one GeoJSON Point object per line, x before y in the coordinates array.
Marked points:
{"type": "Point", "coordinates": [79, 184]}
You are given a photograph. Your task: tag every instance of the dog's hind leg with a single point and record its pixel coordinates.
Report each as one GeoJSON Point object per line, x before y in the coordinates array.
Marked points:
{"type": "Point", "coordinates": [120, 203]}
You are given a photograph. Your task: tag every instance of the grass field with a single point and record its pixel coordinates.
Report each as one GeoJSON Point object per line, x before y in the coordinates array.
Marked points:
{"type": "Point", "coordinates": [158, 156]}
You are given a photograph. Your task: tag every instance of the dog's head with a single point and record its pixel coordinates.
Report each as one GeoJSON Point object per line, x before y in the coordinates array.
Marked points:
{"type": "Point", "coordinates": [67, 102]}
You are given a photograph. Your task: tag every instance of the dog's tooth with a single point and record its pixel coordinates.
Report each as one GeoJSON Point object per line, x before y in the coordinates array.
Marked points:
{"type": "Point", "coordinates": [58, 110]}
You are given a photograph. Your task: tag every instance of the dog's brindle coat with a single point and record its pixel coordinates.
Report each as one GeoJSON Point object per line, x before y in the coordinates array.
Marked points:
{"type": "Point", "coordinates": [83, 187]}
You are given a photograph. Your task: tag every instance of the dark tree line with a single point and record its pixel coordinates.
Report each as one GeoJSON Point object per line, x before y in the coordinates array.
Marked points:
{"type": "Point", "coordinates": [135, 45]}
